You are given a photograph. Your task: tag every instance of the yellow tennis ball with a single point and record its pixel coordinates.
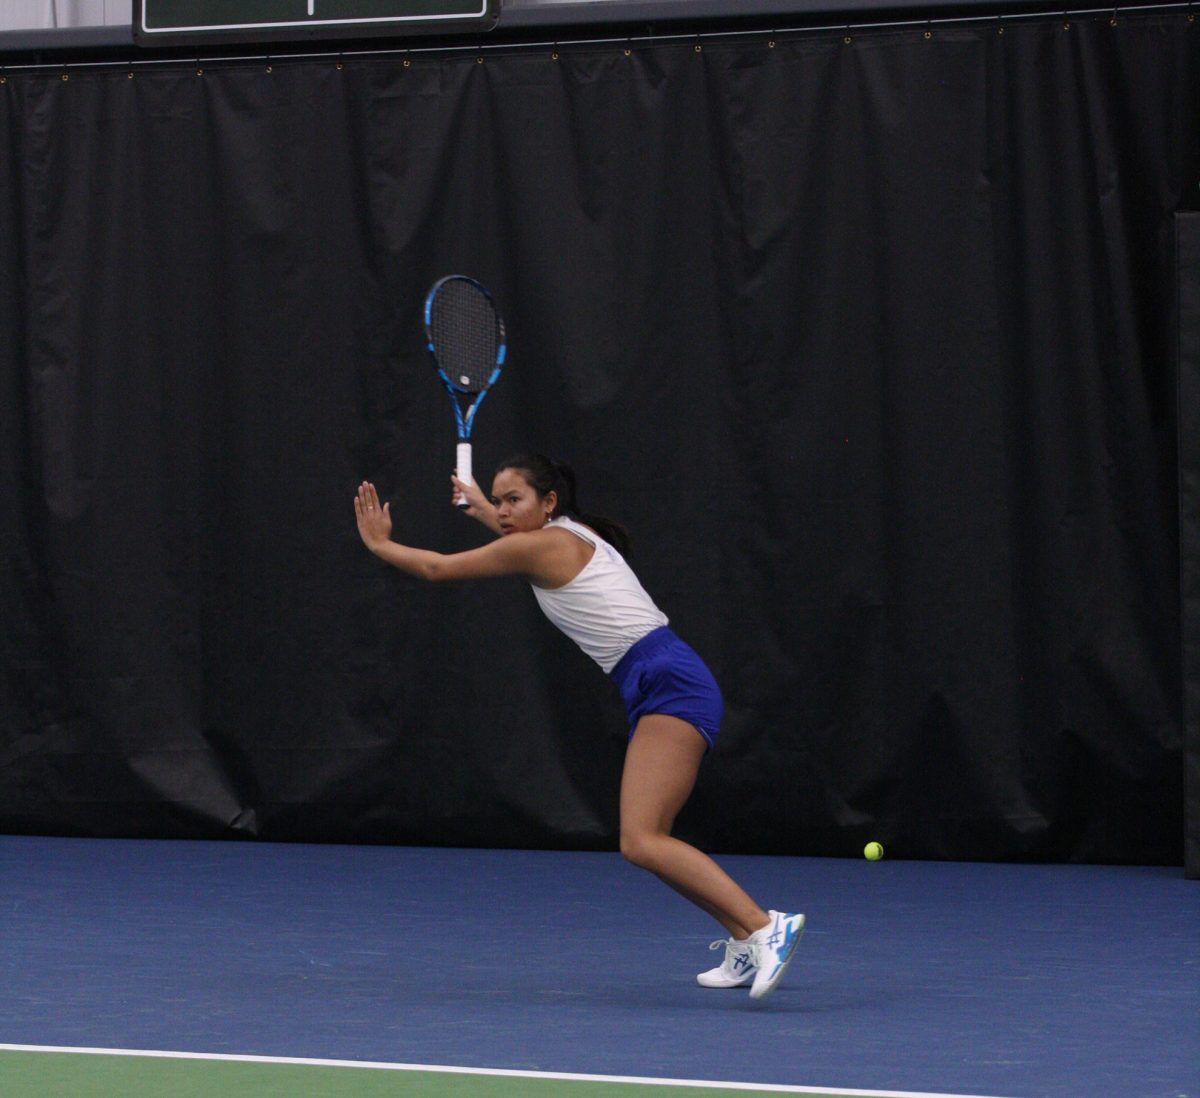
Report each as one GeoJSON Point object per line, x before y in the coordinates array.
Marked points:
{"type": "Point", "coordinates": [873, 852]}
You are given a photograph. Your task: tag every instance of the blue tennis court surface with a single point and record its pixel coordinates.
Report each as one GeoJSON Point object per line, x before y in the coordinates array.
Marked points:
{"type": "Point", "coordinates": [1014, 981]}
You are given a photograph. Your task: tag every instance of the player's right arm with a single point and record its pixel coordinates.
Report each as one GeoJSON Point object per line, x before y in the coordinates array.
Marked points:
{"type": "Point", "coordinates": [479, 507]}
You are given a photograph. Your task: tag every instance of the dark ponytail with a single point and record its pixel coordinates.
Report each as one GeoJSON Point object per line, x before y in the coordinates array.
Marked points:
{"type": "Point", "coordinates": [545, 476]}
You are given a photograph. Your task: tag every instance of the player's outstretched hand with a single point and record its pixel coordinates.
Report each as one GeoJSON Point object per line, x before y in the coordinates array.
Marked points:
{"type": "Point", "coordinates": [374, 521]}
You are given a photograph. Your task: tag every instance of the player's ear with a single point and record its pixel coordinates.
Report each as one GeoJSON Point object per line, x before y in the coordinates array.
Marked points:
{"type": "Point", "coordinates": [550, 502]}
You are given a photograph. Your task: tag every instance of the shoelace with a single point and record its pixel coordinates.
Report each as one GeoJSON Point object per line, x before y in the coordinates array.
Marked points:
{"type": "Point", "coordinates": [731, 947]}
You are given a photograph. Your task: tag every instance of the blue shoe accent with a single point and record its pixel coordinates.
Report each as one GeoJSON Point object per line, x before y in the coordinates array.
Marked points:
{"type": "Point", "coordinates": [775, 949]}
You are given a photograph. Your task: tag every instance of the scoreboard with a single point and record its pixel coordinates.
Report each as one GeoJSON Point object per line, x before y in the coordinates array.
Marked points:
{"type": "Point", "coordinates": [178, 22]}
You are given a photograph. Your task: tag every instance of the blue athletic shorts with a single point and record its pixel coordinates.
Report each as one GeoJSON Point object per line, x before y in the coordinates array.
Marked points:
{"type": "Point", "coordinates": [661, 674]}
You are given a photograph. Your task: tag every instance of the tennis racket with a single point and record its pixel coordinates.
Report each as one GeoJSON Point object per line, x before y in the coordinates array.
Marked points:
{"type": "Point", "coordinates": [466, 339]}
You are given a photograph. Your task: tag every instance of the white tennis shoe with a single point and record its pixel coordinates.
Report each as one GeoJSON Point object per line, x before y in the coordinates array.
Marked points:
{"type": "Point", "coordinates": [736, 969]}
{"type": "Point", "coordinates": [773, 947]}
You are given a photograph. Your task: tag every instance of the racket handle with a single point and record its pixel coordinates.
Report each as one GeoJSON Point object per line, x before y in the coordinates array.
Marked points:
{"type": "Point", "coordinates": [463, 470]}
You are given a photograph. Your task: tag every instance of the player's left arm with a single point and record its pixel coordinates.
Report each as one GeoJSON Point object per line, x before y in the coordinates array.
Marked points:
{"type": "Point", "coordinates": [515, 555]}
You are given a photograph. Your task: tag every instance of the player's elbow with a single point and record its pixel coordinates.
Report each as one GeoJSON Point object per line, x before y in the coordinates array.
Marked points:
{"type": "Point", "coordinates": [435, 568]}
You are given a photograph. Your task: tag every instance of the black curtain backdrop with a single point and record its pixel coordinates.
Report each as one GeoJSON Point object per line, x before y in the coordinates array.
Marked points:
{"type": "Point", "coordinates": [1187, 251]}
{"type": "Point", "coordinates": [870, 342]}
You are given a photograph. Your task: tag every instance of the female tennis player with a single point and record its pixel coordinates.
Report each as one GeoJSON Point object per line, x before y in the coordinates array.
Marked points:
{"type": "Point", "coordinates": [580, 578]}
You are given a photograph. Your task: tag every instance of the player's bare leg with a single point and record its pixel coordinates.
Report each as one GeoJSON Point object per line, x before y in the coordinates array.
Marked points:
{"type": "Point", "coordinates": [661, 764]}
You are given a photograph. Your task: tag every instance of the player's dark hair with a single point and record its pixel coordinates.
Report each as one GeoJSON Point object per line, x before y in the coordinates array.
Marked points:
{"type": "Point", "coordinates": [544, 476]}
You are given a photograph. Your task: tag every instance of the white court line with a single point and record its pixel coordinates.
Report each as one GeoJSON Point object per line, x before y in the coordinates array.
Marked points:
{"type": "Point", "coordinates": [379, 1066]}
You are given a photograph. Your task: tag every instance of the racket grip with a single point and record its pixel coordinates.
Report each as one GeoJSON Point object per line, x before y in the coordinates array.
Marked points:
{"type": "Point", "coordinates": [463, 470]}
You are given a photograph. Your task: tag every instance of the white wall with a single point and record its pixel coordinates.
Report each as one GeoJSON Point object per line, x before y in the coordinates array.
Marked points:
{"type": "Point", "coordinates": [29, 14]}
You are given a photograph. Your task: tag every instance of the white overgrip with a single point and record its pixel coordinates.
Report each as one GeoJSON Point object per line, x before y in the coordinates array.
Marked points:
{"type": "Point", "coordinates": [463, 471]}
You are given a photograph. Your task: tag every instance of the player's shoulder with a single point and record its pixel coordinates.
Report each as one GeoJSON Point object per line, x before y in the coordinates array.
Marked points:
{"type": "Point", "coordinates": [531, 543]}
{"type": "Point", "coordinates": [553, 530]}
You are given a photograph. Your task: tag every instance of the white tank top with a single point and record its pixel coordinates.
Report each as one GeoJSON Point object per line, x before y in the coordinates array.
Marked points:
{"type": "Point", "coordinates": [604, 609]}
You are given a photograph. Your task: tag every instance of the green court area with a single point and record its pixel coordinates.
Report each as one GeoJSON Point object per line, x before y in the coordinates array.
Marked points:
{"type": "Point", "coordinates": [56, 1074]}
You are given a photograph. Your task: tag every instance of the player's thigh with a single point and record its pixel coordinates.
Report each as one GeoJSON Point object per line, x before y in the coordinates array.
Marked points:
{"type": "Point", "coordinates": [661, 763]}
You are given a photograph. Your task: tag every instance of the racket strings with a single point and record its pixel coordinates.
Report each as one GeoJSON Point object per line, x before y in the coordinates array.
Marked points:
{"type": "Point", "coordinates": [464, 331]}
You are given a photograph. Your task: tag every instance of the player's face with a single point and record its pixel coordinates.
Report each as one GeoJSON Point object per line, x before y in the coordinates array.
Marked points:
{"type": "Point", "coordinates": [518, 506]}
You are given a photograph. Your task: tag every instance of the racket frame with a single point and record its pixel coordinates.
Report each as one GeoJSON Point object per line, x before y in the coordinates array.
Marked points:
{"type": "Point", "coordinates": [464, 421]}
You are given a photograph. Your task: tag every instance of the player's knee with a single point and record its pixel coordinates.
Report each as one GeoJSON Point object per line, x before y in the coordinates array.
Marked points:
{"type": "Point", "coordinates": [639, 848]}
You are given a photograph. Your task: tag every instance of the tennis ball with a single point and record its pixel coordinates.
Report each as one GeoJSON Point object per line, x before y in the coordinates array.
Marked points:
{"type": "Point", "coordinates": [873, 852]}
